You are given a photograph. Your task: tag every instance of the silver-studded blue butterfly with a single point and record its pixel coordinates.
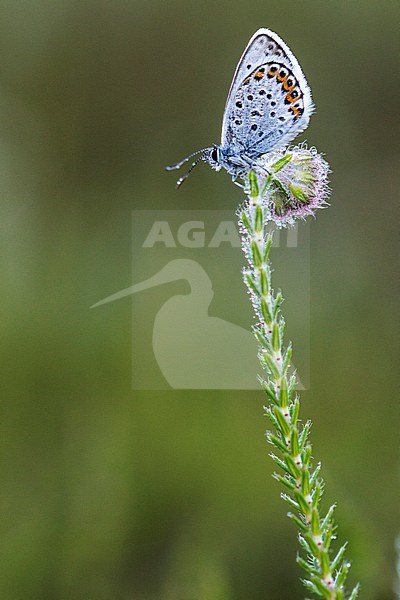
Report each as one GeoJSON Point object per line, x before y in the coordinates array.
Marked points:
{"type": "Point", "coordinates": [268, 105]}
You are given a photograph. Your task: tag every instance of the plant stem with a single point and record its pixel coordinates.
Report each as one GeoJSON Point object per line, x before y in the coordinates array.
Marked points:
{"type": "Point", "coordinates": [326, 572]}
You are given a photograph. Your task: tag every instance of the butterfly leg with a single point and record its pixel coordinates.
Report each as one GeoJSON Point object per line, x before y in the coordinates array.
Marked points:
{"type": "Point", "coordinates": [237, 183]}
{"type": "Point", "coordinates": [254, 163]}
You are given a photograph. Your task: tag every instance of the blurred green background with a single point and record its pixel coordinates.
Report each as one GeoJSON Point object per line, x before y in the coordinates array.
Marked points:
{"type": "Point", "coordinates": [110, 493]}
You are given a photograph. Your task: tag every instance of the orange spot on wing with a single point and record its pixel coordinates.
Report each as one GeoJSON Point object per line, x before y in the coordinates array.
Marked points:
{"type": "Point", "coordinates": [296, 111]}
{"type": "Point", "coordinates": [288, 88]}
{"type": "Point", "coordinates": [259, 75]}
{"type": "Point", "coordinates": [290, 98]}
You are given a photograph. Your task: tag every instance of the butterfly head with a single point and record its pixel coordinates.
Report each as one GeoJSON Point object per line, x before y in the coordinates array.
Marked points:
{"type": "Point", "coordinates": [211, 155]}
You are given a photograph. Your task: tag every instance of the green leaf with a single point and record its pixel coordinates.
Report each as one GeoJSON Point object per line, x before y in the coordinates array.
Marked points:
{"type": "Point", "coordinates": [249, 281]}
{"type": "Point", "coordinates": [253, 184]}
{"type": "Point", "coordinates": [316, 496]}
{"type": "Point", "coordinates": [277, 443]}
{"type": "Point", "coordinates": [294, 443]}
{"type": "Point", "coordinates": [269, 390]}
{"type": "Point", "coordinates": [315, 522]}
{"type": "Point", "coordinates": [265, 312]}
{"type": "Point", "coordinates": [306, 455]}
{"type": "Point", "coordinates": [313, 546]}
{"type": "Point", "coordinates": [278, 302]}
{"type": "Point", "coordinates": [303, 542]}
{"type": "Point", "coordinates": [266, 185]}
{"type": "Point", "coordinates": [280, 463]}
{"type": "Point", "coordinates": [255, 253]}
{"type": "Point", "coordinates": [303, 503]}
{"type": "Point", "coordinates": [290, 501]}
{"type": "Point", "coordinates": [268, 245]}
{"type": "Point", "coordinates": [287, 357]}
{"type": "Point", "coordinates": [354, 593]}
{"type": "Point", "coordinates": [246, 222]}
{"type": "Point", "coordinates": [292, 384]}
{"type": "Point", "coordinates": [305, 565]}
{"type": "Point", "coordinates": [283, 425]}
{"type": "Point", "coordinates": [339, 557]}
{"type": "Point", "coordinates": [270, 414]}
{"type": "Point", "coordinates": [276, 338]}
{"type": "Point", "coordinates": [305, 482]}
{"type": "Point", "coordinates": [328, 517]}
{"type": "Point", "coordinates": [325, 566]}
{"type": "Point", "coordinates": [284, 393]}
{"type": "Point", "coordinates": [287, 481]}
{"type": "Point", "coordinates": [328, 535]}
{"type": "Point", "coordinates": [264, 283]}
{"type": "Point", "coordinates": [258, 223]}
{"type": "Point", "coordinates": [279, 185]}
{"type": "Point", "coordinates": [293, 468]}
{"type": "Point", "coordinates": [261, 339]}
{"type": "Point", "coordinates": [298, 522]}
{"type": "Point", "coordinates": [311, 566]}
{"type": "Point", "coordinates": [282, 326]}
{"type": "Point", "coordinates": [294, 412]}
{"type": "Point", "coordinates": [342, 573]}
{"type": "Point", "coordinates": [311, 587]}
{"type": "Point", "coordinates": [304, 432]}
{"type": "Point", "coordinates": [279, 164]}
{"type": "Point", "coordinates": [298, 193]}
{"type": "Point", "coordinates": [271, 366]}
{"type": "Point", "coordinates": [315, 474]}
{"type": "Point", "coordinates": [322, 587]}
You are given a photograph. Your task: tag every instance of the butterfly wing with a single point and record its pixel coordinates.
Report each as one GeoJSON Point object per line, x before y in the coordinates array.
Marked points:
{"type": "Point", "coordinates": [269, 102]}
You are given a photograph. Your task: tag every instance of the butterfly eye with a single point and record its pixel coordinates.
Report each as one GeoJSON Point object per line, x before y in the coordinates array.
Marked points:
{"type": "Point", "coordinates": [214, 155]}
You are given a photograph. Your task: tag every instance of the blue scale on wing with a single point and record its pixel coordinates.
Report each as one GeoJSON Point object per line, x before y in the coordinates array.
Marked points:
{"type": "Point", "coordinates": [261, 114]}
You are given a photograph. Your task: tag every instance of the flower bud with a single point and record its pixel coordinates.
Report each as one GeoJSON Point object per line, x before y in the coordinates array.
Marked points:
{"type": "Point", "coordinates": [296, 185]}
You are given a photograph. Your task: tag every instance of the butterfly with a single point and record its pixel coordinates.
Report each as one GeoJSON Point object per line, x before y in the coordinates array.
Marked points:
{"type": "Point", "coordinates": [269, 103]}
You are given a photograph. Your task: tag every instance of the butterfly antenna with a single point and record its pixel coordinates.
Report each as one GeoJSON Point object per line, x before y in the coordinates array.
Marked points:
{"type": "Point", "coordinates": [182, 162]}
{"type": "Point", "coordinates": [192, 166]}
